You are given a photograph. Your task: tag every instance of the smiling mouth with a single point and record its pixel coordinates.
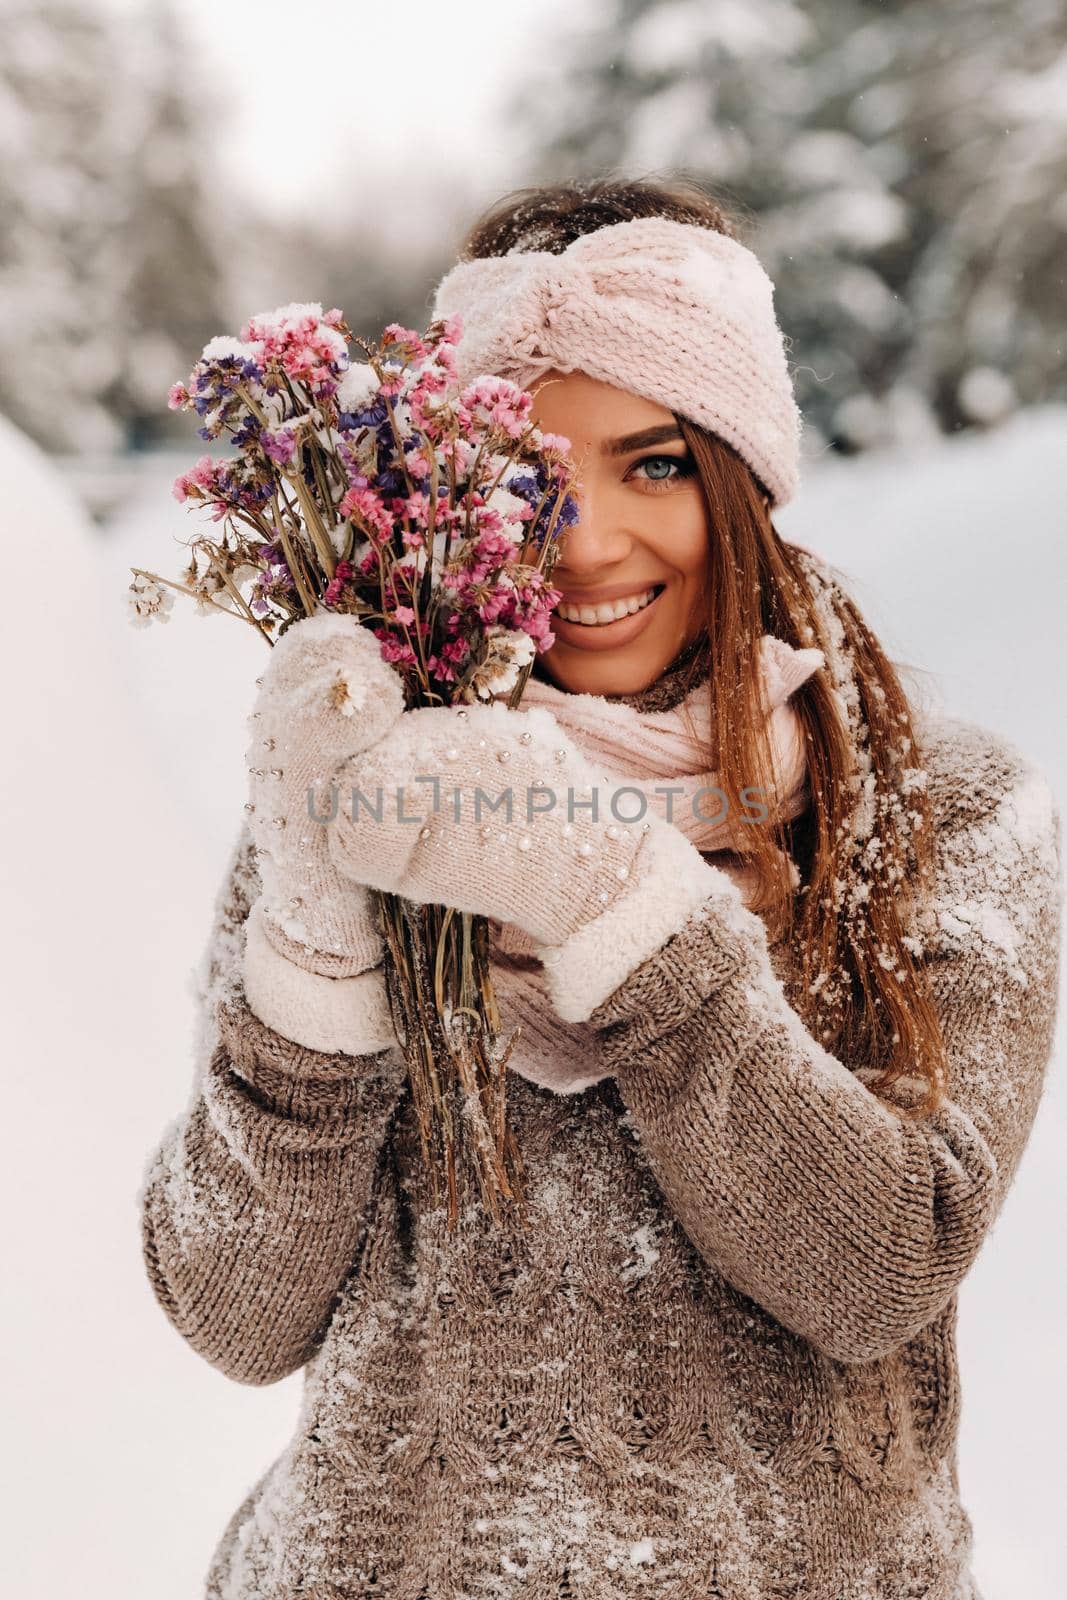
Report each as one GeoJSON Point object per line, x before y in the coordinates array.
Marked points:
{"type": "Point", "coordinates": [606, 612]}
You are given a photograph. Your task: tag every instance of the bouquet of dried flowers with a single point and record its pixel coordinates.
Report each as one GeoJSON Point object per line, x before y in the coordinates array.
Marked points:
{"type": "Point", "coordinates": [432, 513]}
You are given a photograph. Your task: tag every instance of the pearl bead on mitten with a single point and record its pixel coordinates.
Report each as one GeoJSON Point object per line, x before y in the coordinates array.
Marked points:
{"type": "Point", "coordinates": [313, 952]}
{"type": "Point", "coordinates": [595, 895]}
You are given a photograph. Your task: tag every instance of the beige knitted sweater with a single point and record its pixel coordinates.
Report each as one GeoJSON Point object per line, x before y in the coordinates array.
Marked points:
{"type": "Point", "coordinates": [721, 1360]}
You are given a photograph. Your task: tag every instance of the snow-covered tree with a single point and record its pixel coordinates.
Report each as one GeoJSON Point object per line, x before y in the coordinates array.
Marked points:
{"type": "Point", "coordinates": [124, 249]}
{"type": "Point", "coordinates": [169, 256]}
{"type": "Point", "coordinates": [901, 168]}
{"type": "Point", "coordinates": [108, 274]}
{"type": "Point", "coordinates": [59, 130]}
{"type": "Point", "coordinates": [109, 277]}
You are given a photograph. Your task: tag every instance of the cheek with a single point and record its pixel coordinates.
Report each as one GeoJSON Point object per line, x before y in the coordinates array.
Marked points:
{"type": "Point", "coordinates": [679, 535]}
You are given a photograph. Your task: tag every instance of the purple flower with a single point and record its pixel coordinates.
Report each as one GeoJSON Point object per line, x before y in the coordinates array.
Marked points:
{"type": "Point", "coordinates": [280, 445]}
{"type": "Point", "coordinates": [372, 416]}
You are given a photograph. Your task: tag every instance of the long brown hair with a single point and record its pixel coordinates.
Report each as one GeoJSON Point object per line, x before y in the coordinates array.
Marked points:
{"type": "Point", "coordinates": [864, 845]}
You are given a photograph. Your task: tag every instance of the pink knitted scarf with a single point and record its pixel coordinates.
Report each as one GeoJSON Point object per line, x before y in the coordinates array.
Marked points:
{"type": "Point", "coordinates": [646, 749]}
{"type": "Point", "coordinates": [667, 749]}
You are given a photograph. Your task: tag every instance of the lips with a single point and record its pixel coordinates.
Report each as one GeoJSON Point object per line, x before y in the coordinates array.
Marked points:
{"type": "Point", "coordinates": [606, 610]}
{"type": "Point", "coordinates": [615, 635]}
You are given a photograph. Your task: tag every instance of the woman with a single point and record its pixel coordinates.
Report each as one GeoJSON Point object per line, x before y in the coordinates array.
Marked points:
{"type": "Point", "coordinates": [772, 1083]}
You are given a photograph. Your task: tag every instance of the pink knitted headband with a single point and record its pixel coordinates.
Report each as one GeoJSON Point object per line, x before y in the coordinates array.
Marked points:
{"type": "Point", "coordinates": [671, 311]}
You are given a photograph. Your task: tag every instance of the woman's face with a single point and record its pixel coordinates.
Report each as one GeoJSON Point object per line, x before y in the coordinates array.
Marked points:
{"type": "Point", "coordinates": [643, 531]}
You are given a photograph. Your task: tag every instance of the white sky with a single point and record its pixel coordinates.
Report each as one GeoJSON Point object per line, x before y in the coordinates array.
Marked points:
{"type": "Point", "coordinates": [416, 90]}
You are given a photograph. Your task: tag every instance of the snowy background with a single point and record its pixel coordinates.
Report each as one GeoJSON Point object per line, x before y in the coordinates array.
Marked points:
{"type": "Point", "coordinates": [153, 197]}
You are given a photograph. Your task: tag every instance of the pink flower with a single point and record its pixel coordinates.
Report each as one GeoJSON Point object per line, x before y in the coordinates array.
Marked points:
{"type": "Point", "coordinates": [177, 396]}
{"type": "Point", "coordinates": [461, 452]}
{"type": "Point", "coordinates": [534, 613]}
{"type": "Point", "coordinates": [446, 359]}
{"type": "Point", "coordinates": [487, 519]}
{"type": "Point", "coordinates": [423, 413]}
{"type": "Point", "coordinates": [404, 614]}
{"type": "Point", "coordinates": [341, 574]}
{"type": "Point", "coordinates": [415, 506]}
{"type": "Point", "coordinates": [555, 444]}
{"type": "Point", "coordinates": [429, 382]}
{"type": "Point", "coordinates": [369, 506]}
{"type": "Point", "coordinates": [395, 333]}
{"type": "Point", "coordinates": [306, 345]}
{"type": "Point", "coordinates": [203, 475]}
{"type": "Point", "coordinates": [493, 546]}
{"type": "Point", "coordinates": [395, 650]}
{"type": "Point", "coordinates": [506, 406]}
{"type": "Point", "coordinates": [493, 608]}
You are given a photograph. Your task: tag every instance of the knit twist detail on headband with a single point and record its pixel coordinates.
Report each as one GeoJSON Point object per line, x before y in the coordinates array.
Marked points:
{"type": "Point", "coordinates": [671, 311]}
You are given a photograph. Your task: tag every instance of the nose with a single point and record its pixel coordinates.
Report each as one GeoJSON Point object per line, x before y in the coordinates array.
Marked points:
{"type": "Point", "coordinates": [596, 542]}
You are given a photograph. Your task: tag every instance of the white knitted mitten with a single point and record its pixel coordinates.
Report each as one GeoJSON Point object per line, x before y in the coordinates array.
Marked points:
{"type": "Point", "coordinates": [596, 896]}
{"type": "Point", "coordinates": [312, 964]}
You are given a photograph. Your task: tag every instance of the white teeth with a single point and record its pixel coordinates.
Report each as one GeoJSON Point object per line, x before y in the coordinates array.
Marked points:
{"type": "Point", "coordinates": [608, 610]}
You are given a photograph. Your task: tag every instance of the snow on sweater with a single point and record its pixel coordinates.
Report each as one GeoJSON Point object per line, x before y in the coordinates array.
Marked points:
{"type": "Point", "coordinates": [720, 1360]}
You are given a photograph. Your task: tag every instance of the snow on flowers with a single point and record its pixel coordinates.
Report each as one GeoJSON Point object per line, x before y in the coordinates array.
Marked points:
{"type": "Point", "coordinates": [431, 513]}
{"type": "Point", "coordinates": [380, 488]}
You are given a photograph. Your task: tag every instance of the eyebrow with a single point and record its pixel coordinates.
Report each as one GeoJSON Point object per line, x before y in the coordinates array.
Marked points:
{"type": "Point", "coordinates": [660, 434]}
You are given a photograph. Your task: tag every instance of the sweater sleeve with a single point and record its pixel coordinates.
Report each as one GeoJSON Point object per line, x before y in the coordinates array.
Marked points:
{"type": "Point", "coordinates": [255, 1203]}
{"type": "Point", "coordinates": [850, 1224]}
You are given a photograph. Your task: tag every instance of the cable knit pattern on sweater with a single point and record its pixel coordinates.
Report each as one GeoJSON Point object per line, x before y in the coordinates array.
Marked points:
{"type": "Point", "coordinates": [720, 1362]}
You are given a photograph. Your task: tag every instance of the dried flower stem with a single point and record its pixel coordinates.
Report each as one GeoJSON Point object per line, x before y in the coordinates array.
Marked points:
{"type": "Point", "coordinates": [292, 561]}
{"type": "Point", "coordinates": [319, 537]}
{"type": "Point", "coordinates": [245, 615]}
{"type": "Point", "coordinates": [458, 1080]}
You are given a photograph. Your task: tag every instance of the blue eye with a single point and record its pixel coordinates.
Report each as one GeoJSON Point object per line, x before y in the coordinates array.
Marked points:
{"type": "Point", "coordinates": [683, 464]}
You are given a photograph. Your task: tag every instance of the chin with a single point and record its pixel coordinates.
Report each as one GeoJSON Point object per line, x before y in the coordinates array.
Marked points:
{"type": "Point", "coordinates": [619, 671]}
